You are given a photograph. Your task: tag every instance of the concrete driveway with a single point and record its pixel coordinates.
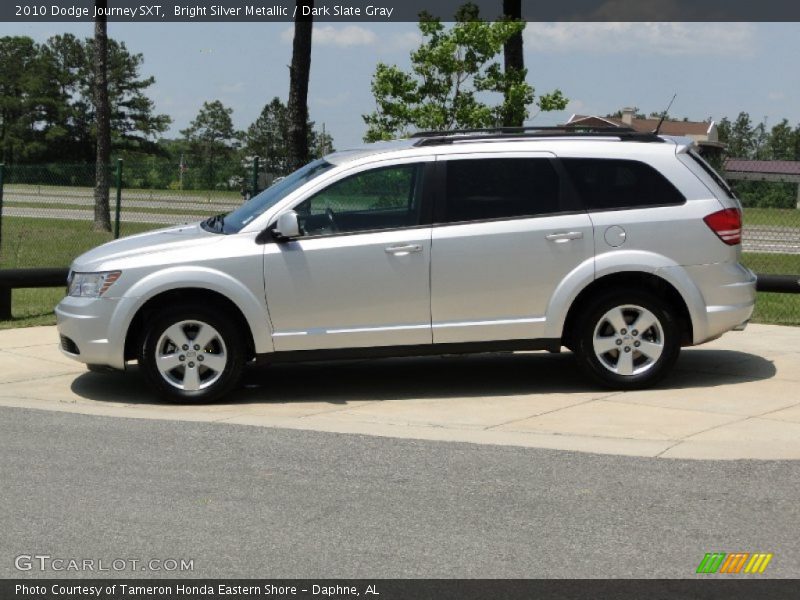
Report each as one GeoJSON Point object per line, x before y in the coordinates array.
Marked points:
{"type": "Point", "coordinates": [735, 398]}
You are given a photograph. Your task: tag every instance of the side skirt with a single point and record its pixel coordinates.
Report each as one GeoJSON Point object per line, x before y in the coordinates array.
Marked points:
{"type": "Point", "coordinates": [549, 344]}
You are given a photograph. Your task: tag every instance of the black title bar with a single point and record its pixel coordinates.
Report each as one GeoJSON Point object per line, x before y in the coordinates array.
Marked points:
{"type": "Point", "coordinates": [709, 588]}
{"type": "Point", "coordinates": [399, 10]}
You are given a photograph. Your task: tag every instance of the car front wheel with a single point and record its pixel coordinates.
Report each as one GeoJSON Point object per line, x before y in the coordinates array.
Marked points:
{"type": "Point", "coordinates": [192, 355]}
{"type": "Point", "coordinates": [628, 341]}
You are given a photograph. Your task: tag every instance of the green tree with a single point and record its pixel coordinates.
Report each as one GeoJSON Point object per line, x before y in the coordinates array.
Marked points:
{"type": "Point", "coordinates": [450, 71]}
{"type": "Point", "coordinates": [212, 142]}
{"type": "Point", "coordinates": [756, 142]}
{"type": "Point", "coordinates": [134, 123]}
{"type": "Point", "coordinates": [47, 103]}
{"type": "Point", "coordinates": [68, 129]}
{"type": "Point", "coordinates": [321, 142]}
{"type": "Point", "coordinates": [782, 143]}
{"type": "Point", "coordinates": [796, 143]}
{"type": "Point", "coordinates": [739, 136]}
{"type": "Point", "coordinates": [268, 138]}
{"type": "Point", "coordinates": [21, 95]}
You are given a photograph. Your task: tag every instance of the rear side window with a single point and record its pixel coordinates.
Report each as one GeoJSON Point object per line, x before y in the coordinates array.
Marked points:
{"type": "Point", "coordinates": [607, 184]}
{"type": "Point", "coordinates": [712, 173]}
{"type": "Point", "coordinates": [498, 188]}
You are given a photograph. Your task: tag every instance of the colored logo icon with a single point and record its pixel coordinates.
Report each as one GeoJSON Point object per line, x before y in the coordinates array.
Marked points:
{"type": "Point", "coordinates": [733, 563]}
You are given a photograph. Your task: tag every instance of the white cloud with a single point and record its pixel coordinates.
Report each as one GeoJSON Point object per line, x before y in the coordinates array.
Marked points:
{"type": "Point", "coordinates": [328, 35]}
{"type": "Point", "coordinates": [670, 39]}
{"type": "Point", "coordinates": [408, 40]}
{"type": "Point", "coordinates": [776, 96]}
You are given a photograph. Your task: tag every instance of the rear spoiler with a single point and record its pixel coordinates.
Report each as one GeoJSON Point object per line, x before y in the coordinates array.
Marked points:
{"type": "Point", "coordinates": [682, 144]}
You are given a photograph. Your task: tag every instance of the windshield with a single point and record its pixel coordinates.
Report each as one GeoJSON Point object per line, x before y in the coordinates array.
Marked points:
{"type": "Point", "coordinates": [234, 221]}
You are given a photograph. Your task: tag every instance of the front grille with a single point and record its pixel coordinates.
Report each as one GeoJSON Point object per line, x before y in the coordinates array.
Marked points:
{"type": "Point", "coordinates": [69, 346]}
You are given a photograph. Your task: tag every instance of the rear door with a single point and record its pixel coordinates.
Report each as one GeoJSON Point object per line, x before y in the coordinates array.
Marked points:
{"type": "Point", "coordinates": [506, 234]}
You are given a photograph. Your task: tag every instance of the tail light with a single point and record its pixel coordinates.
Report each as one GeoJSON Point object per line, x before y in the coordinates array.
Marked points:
{"type": "Point", "coordinates": [727, 224]}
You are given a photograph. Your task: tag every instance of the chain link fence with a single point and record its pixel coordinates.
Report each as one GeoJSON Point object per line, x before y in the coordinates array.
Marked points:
{"type": "Point", "coordinates": [48, 210]}
{"type": "Point", "coordinates": [47, 217]}
{"type": "Point", "coordinates": [770, 195]}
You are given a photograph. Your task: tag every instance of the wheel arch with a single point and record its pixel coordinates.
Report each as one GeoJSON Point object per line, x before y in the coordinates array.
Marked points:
{"type": "Point", "coordinates": [636, 280]}
{"type": "Point", "coordinates": [194, 285]}
{"type": "Point", "coordinates": [185, 295]}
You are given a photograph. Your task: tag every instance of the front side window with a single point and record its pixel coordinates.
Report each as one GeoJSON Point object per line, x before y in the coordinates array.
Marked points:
{"type": "Point", "coordinates": [257, 205]}
{"type": "Point", "coordinates": [496, 188]}
{"type": "Point", "coordinates": [384, 198]}
{"type": "Point", "coordinates": [608, 184]}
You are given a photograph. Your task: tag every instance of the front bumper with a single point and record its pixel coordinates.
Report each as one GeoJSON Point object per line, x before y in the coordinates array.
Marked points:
{"type": "Point", "coordinates": [86, 331]}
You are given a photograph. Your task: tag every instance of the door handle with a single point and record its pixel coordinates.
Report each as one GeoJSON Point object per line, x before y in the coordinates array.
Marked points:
{"type": "Point", "coordinates": [403, 249]}
{"type": "Point", "coordinates": [564, 236]}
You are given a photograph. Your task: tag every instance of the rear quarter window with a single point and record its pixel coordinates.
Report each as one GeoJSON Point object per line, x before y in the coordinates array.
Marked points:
{"type": "Point", "coordinates": [613, 184]}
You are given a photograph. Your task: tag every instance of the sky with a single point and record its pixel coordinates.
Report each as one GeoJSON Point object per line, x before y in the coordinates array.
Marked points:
{"type": "Point", "coordinates": [716, 69]}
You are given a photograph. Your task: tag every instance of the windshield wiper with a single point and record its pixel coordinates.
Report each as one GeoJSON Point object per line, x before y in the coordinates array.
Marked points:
{"type": "Point", "coordinates": [214, 224]}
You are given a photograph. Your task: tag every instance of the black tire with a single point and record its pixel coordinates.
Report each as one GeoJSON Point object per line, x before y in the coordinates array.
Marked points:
{"type": "Point", "coordinates": [201, 383]}
{"type": "Point", "coordinates": [626, 366]}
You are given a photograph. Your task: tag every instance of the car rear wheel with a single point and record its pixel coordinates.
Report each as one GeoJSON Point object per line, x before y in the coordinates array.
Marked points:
{"type": "Point", "coordinates": [628, 340]}
{"type": "Point", "coordinates": [192, 355]}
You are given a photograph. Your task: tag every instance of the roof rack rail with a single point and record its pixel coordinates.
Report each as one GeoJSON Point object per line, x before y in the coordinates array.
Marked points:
{"type": "Point", "coordinates": [433, 138]}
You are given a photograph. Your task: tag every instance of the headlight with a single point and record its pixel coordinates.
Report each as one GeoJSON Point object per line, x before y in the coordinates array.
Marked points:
{"type": "Point", "coordinates": [91, 285]}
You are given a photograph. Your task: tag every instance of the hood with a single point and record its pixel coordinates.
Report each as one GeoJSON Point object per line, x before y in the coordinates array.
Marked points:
{"type": "Point", "coordinates": [161, 240]}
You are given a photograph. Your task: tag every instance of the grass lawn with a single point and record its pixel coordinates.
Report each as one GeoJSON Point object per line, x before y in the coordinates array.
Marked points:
{"type": "Point", "coordinates": [772, 264]}
{"type": "Point", "coordinates": [29, 242]}
{"type": "Point", "coordinates": [777, 309]}
{"type": "Point", "coordinates": [775, 217]}
{"type": "Point", "coordinates": [33, 307]}
{"type": "Point", "coordinates": [47, 243]}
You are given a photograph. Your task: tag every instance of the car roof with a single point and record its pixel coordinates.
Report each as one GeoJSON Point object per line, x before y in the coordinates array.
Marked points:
{"type": "Point", "coordinates": [544, 139]}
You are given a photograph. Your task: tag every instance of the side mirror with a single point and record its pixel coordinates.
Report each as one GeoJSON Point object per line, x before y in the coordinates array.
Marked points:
{"type": "Point", "coordinates": [287, 226]}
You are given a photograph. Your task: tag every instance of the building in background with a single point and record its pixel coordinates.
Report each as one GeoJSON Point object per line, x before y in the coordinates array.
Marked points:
{"type": "Point", "coordinates": [704, 133]}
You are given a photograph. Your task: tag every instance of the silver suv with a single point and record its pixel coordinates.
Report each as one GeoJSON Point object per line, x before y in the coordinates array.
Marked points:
{"type": "Point", "coordinates": [623, 247]}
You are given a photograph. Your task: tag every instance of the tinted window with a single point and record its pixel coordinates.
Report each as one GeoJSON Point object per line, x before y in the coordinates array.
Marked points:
{"type": "Point", "coordinates": [500, 188]}
{"type": "Point", "coordinates": [712, 173]}
{"type": "Point", "coordinates": [608, 183]}
{"type": "Point", "coordinates": [378, 199]}
{"type": "Point", "coordinates": [260, 203]}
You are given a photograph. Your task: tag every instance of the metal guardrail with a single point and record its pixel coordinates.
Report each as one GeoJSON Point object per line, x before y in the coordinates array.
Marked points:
{"type": "Point", "coordinates": [783, 284]}
{"type": "Point", "coordinates": [11, 279]}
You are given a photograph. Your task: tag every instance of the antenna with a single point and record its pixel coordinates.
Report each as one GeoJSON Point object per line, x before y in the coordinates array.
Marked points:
{"type": "Point", "coordinates": [664, 114]}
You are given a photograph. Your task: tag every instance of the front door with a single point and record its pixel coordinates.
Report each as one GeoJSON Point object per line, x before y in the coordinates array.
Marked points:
{"type": "Point", "coordinates": [359, 276]}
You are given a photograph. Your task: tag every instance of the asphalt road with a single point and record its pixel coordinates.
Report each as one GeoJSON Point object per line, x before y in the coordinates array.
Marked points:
{"type": "Point", "coordinates": [250, 501]}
